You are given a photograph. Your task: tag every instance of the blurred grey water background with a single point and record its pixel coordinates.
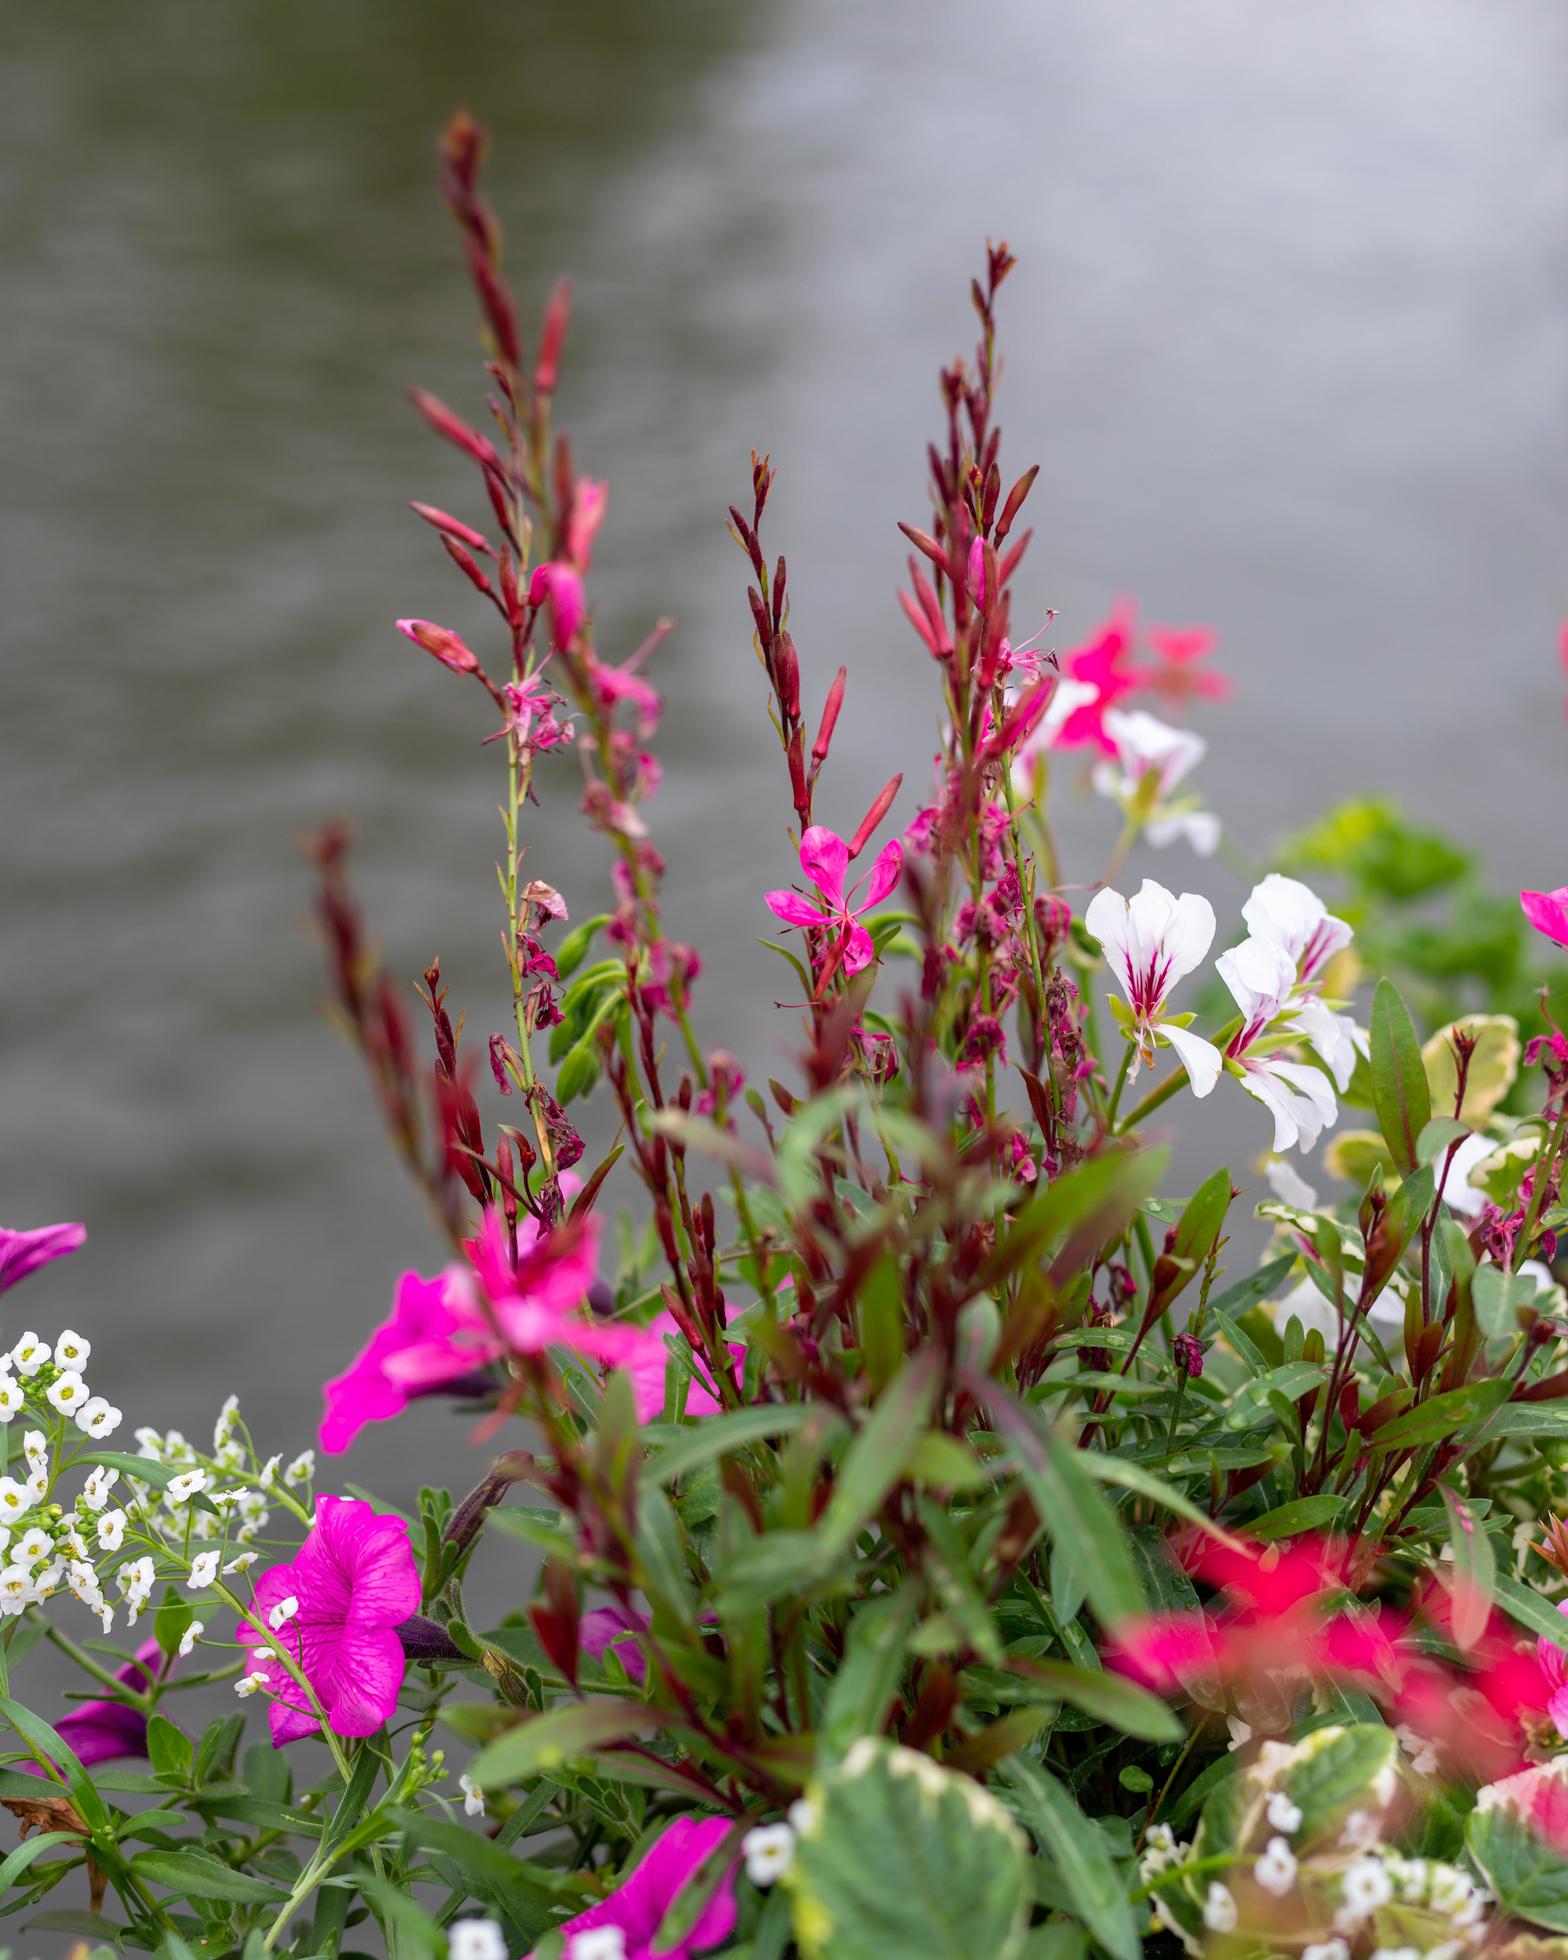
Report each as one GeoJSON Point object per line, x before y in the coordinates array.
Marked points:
{"type": "Point", "coordinates": [1289, 339]}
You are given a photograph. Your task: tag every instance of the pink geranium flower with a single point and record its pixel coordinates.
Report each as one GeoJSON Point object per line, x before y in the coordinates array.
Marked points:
{"type": "Point", "coordinates": [1176, 676]}
{"type": "Point", "coordinates": [22, 1253]}
{"type": "Point", "coordinates": [1553, 1663]}
{"type": "Point", "coordinates": [637, 1906]}
{"type": "Point", "coordinates": [427, 1314]}
{"type": "Point", "coordinates": [353, 1582]}
{"type": "Point", "coordinates": [1548, 912]}
{"type": "Point", "coordinates": [824, 858]}
{"type": "Point", "coordinates": [1103, 663]}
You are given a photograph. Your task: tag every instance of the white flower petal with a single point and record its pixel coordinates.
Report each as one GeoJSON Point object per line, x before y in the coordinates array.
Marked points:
{"type": "Point", "coordinates": [1200, 1058]}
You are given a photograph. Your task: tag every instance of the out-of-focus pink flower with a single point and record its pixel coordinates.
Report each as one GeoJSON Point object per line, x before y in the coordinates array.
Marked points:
{"type": "Point", "coordinates": [1553, 1663]}
{"type": "Point", "coordinates": [637, 1906]}
{"type": "Point", "coordinates": [649, 1368]}
{"type": "Point", "coordinates": [448, 647]}
{"type": "Point", "coordinates": [561, 586]}
{"type": "Point", "coordinates": [531, 714]}
{"type": "Point", "coordinates": [1176, 676]}
{"type": "Point", "coordinates": [1548, 912]}
{"type": "Point", "coordinates": [824, 858]}
{"type": "Point", "coordinates": [587, 514]}
{"type": "Point", "coordinates": [1105, 664]}
{"type": "Point", "coordinates": [354, 1581]}
{"type": "Point", "coordinates": [605, 1626]}
{"type": "Point", "coordinates": [434, 1320]}
{"type": "Point", "coordinates": [103, 1731]}
{"type": "Point", "coordinates": [616, 684]}
{"type": "Point", "coordinates": [22, 1253]}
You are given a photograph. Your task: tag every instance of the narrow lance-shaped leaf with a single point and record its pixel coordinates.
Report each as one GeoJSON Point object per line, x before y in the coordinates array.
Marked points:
{"type": "Point", "coordinates": [1400, 1091]}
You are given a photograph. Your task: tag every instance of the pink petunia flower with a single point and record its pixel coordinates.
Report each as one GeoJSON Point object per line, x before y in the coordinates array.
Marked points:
{"type": "Point", "coordinates": [353, 1582]}
{"type": "Point", "coordinates": [636, 1908]}
{"type": "Point", "coordinates": [427, 1314]}
{"type": "Point", "coordinates": [607, 1626]}
{"type": "Point", "coordinates": [1548, 912]}
{"type": "Point", "coordinates": [104, 1731]}
{"type": "Point", "coordinates": [649, 1369]}
{"type": "Point", "coordinates": [22, 1253]}
{"type": "Point", "coordinates": [824, 857]}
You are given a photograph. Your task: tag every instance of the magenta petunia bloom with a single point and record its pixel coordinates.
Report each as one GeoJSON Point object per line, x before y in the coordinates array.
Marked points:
{"type": "Point", "coordinates": [649, 1369]}
{"type": "Point", "coordinates": [824, 857]}
{"type": "Point", "coordinates": [637, 1906]}
{"type": "Point", "coordinates": [604, 1626]}
{"type": "Point", "coordinates": [103, 1731]}
{"type": "Point", "coordinates": [22, 1253]}
{"type": "Point", "coordinates": [1548, 912]}
{"type": "Point", "coordinates": [428, 1320]}
{"type": "Point", "coordinates": [353, 1582]}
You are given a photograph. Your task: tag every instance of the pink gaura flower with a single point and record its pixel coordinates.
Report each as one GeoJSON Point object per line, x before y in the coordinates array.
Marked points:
{"type": "Point", "coordinates": [531, 714]}
{"type": "Point", "coordinates": [636, 1908]}
{"type": "Point", "coordinates": [587, 514]}
{"type": "Point", "coordinates": [1548, 912]}
{"type": "Point", "coordinates": [104, 1731]}
{"type": "Point", "coordinates": [433, 1336]}
{"type": "Point", "coordinates": [824, 858]}
{"type": "Point", "coordinates": [22, 1253]}
{"type": "Point", "coordinates": [355, 1582]}
{"type": "Point", "coordinates": [559, 585]}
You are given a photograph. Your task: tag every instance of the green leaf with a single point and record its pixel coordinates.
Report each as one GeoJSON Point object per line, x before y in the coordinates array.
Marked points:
{"type": "Point", "coordinates": [548, 1742]}
{"type": "Point", "coordinates": [1073, 1215]}
{"type": "Point", "coordinates": [875, 1459]}
{"type": "Point", "coordinates": [197, 1875]}
{"type": "Point", "coordinates": [1440, 1416]}
{"type": "Point", "coordinates": [691, 1448]}
{"type": "Point", "coordinates": [1400, 1092]}
{"type": "Point", "coordinates": [1333, 1776]}
{"type": "Point", "coordinates": [1144, 1483]}
{"type": "Point", "coordinates": [1437, 1136]}
{"type": "Point", "coordinates": [1531, 1611]}
{"type": "Point", "coordinates": [867, 1678]}
{"type": "Point", "coordinates": [169, 1750]}
{"type": "Point", "coordinates": [1527, 1877]}
{"type": "Point", "coordinates": [1064, 1834]}
{"type": "Point", "coordinates": [1255, 1287]}
{"type": "Point", "coordinates": [1300, 1514]}
{"type": "Point", "coordinates": [900, 1856]}
{"type": "Point", "coordinates": [1109, 1698]}
{"type": "Point", "coordinates": [1475, 1570]}
{"type": "Point", "coordinates": [24, 1854]}
{"type": "Point", "coordinates": [570, 953]}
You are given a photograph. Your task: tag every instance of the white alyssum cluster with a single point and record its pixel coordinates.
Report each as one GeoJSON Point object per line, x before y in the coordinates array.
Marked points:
{"type": "Point", "coordinates": [1382, 1877]}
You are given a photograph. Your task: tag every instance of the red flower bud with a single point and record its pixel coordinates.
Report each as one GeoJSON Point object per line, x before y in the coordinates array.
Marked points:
{"type": "Point", "coordinates": [447, 647]}
{"type": "Point", "coordinates": [874, 816]}
{"type": "Point", "coordinates": [551, 337]}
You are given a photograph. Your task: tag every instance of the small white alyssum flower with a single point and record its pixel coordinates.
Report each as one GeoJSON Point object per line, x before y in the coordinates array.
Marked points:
{"type": "Point", "coordinates": [302, 1469]}
{"type": "Point", "coordinates": [33, 1545]}
{"type": "Point", "coordinates": [29, 1354]}
{"type": "Point", "coordinates": [473, 1796]}
{"type": "Point", "coordinates": [223, 1428]}
{"type": "Point", "coordinates": [190, 1636]}
{"type": "Point", "coordinates": [802, 1815]}
{"type": "Point", "coordinates": [1283, 1814]}
{"type": "Point", "coordinates": [1335, 1949]}
{"type": "Point", "coordinates": [15, 1499]}
{"type": "Point", "coordinates": [204, 1569]}
{"type": "Point", "coordinates": [71, 1351]}
{"type": "Point", "coordinates": [241, 1564]}
{"type": "Point", "coordinates": [98, 1417]}
{"type": "Point", "coordinates": [250, 1684]}
{"type": "Point", "coordinates": [95, 1492]}
{"type": "Point", "coordinates": [769, 1852]}
{"type": "Point", "coordinates": [111, 1531]}
{"type": "Point", "coordinates": [1275, 1871]}
{"type": "Point", "coordinates": [476, 1939]}
{"type": "Point", "coordinates": [1365, 1885]}
{"type": "Point", "coordinates": [282, 1613]}
{"type": "Point", "coordinates": [598, 1943]}
{"type": "Point", "coordinates": [136, 1583]}
{"type": "Point", "coordinates": [36, 1450]}
{"type": "Point", "coordinates": [1219, 1909]}
{"type": "Point", "coordinates": [67, 1392]}
{"type": "Point", "coordinates": [10, 1397]}
{"type": "Point", "coordinates": [186, 1485]}
{"type": "Point", "coordinates": [17, 1589]}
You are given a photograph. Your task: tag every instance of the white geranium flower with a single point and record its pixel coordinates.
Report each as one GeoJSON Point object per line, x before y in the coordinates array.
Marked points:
{"type": "Point", "coordinates": [1151, 941]}
{"type": "Point", "coordinates": [769, 1851]}
{"type": "Point", "coordinates": [1261, 976]}
{"type": "Point", "coordinates": [1151, 760]}
{"type": "Point", "coordinates": [1067, 697]}
{"type": "Point", "coordinates": [1293, 916]}
{"type": "Point", "coordinates": [1288, 1185]}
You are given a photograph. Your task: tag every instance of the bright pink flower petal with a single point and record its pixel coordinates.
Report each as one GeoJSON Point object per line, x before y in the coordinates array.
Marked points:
{"type": "Point", "coordinates": [859, 949]}
{"type": "Point", "coordinates": [824, 857]}
{"type": "Point", "coordinates": [561, 585]}
{"type": "Point", "coordinates": [637, 1906]}
{"type": "Point", "coordinates": [1548, 912]}
{"type": "Point", "coordinates": [883, 875]}
{"type": "Point", "coordinates": [608, 1626]}
{"type": "Point", "coordinates": [22, 1253]}
{"type": "Point", "coordinates": [360, 1690]}
{"type": "Point", "coordinates": [793, 909]}
{"type": "Point", "coordinates": [415, 1347]}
